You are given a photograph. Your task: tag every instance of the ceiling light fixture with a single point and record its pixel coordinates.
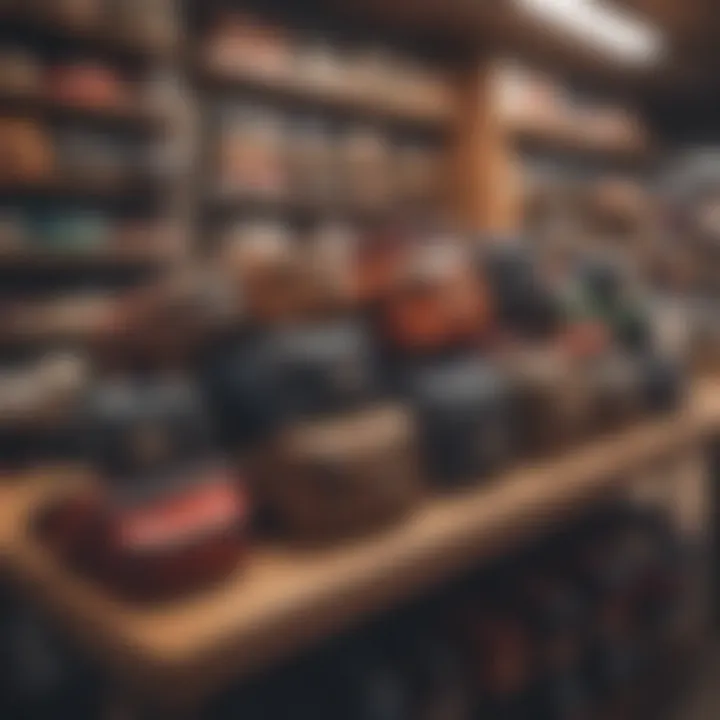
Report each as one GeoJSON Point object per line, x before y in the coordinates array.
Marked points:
{"type": "Point", "coordinates": [608, 28]}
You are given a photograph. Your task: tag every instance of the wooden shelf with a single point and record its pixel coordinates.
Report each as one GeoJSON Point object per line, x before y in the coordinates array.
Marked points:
{"type": "Point", "coordinates": [342, 99]}
{"type": "Point", "coordinates": [43, 337]}
{"type": "Point", "coordinates": [32, 260]}
{"type": "Point", "coordinates": [226, 205]}
{"type": "Point", "coordinates": [130, 118]}
{"type": "Point", "coordinates": [102, 38]}
{"type": "Point", "coordinates": [39, 324]}
{"type": "Point", "coordinates": [576, 138]}
{"type": "Point", "coordinates": [287, 598]}
{"type": "Point", "coordinates": [34, 423]}
{"type": "Point", "coordinates": [77, 188]}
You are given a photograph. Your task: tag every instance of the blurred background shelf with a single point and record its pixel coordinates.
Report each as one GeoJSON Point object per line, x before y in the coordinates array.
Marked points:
{"type": "Point", "coordinates": [78, 188]}
{"type": "Point", "coordinates": [50, 336]}
{"type": "Point", "coordinates": [288, 598]}
{"type": "Point", "coordinates": [130, 118]}
{"type": "Point", "coordinates": [344, 99]}
{"type": "Point", "coordinates": [35, 423]}
{"type": "Point", "coordinates": [62, 321]}
{"type": "Point", "coordinates": [98, 38]}
{"type": "Point", "coordinates": [228, 205]}
{"type": "Point", "coordinates": [22, 259]}
{"type": "Point", "coordinates": [577, 138]}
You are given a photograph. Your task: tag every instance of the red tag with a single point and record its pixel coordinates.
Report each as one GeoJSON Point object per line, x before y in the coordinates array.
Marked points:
{"type": "Point", "coordinates": [182, 518]}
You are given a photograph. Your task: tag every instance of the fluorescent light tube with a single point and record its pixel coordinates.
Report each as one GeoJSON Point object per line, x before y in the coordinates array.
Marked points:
{"type": "Point", "coordinates": [616, 32]}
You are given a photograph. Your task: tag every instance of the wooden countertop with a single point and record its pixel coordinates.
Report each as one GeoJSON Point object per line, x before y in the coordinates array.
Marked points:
{"type": "Point", "coordinates": [285, 599]}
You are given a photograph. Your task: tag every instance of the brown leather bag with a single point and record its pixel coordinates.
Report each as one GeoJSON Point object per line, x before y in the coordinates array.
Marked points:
{"type": "Point", "coordinates": [344, 475]}
{"type": "Point", "coordinates": [617, 389]}
{"type": "Point", "coordinates": [553, 400]}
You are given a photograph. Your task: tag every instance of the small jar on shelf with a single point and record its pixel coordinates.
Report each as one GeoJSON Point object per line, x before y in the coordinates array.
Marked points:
{"type": "Point", "coordinates": [366, 170]}
{"type": "Point", "coordinates": [13, 230]}
{"type": "Point", "coordinates": [88, 85]}
{"type": "Point", "coordinates": [26, 153]}
{"type": "Point", "coordinates": [70, 231]}
{"type": "Point", "coordinates": [313, 163]}
{"type": "Point", "coordinates": [369, 72]}
{"type": "Point", "coordinates": [417, 174]}
{"type": "Point", "coordinates": [20, 72]}
{"type": "Point", "coordinates": [92, 158]}
{"type": "Point", "coordinates": [250, 158]}
{"type": "Point", "coordinates": [241, 44]}
{"type": "Point", "coordinates": [319, 65]}
{"type": "Point", "coordinates": [139, 236]}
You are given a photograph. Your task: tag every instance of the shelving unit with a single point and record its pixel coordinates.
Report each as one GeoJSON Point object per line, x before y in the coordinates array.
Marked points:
{"type": "Point", "coordinates": [576, 138]}
{"type": "Point", "coordinates": [43, 336]}
{"type": "Point", "coordinates": [287, 599]}
{"type": "Point", "coordinates": [79, 188]}
{"type": "Point", "coordinates": [334, 106]}
{"type": "Point", "coordinates": [222, 206]}
{"type": "Point", "coordinates": [103, 37]}
{"type": "Point", "coordinates": [36, 260]}
{"type": "Point", "coordinates": [131, 118]}
{"type": "Point", "coordinates": [125, 215]}
{"type": "Point", "coordinates": [343, 100]}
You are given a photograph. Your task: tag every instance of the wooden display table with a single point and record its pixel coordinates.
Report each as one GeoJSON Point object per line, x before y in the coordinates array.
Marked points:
{"type": "Point", "coordinates": [285, 599]}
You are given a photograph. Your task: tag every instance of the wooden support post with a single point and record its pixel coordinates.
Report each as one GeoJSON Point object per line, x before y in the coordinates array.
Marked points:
{"type": "Point", "coordinates": [486, 188]}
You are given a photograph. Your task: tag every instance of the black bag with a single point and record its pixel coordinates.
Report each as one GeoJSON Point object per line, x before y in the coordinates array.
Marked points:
{"type": "Point", "coordinates": [322, 368]}
{"type": "Point", "coordinates": [463, 417]}
{"type": "Point", "coordinates": [663, 384]}
{"type": "Point", "coordinates": [147, 437]}
{"type": "Point", "coordinates": [524, 304]}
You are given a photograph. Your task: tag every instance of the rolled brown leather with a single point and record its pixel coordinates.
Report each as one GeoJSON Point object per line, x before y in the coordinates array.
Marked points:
{"type": "Point", "coordinates": [344, 475]}
{"type": "Point", "coordinates": [553, 400]}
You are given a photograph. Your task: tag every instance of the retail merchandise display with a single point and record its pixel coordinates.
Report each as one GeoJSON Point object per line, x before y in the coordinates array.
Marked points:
{"type": "Point", "coordinates": [169, 515]}
{"type": "Point", "coordinates": [338, 351]}
{"type": "Point", "coordinates": [245, 46]}
{"type": "Point", "coordinates": [263, 154]}
{"type": "Point", "coordinates": [341, 415]}
{"type": "Point", "coordinates": [317, 128]}
{"type": "Point", "coordinates": [688, 269]}
{"type": "Point", "coordinates": [83, 204]}
{"type": "Point", "coordinates": [311, 317]}
{"type": "Point", "coordinates": [77, 114]}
